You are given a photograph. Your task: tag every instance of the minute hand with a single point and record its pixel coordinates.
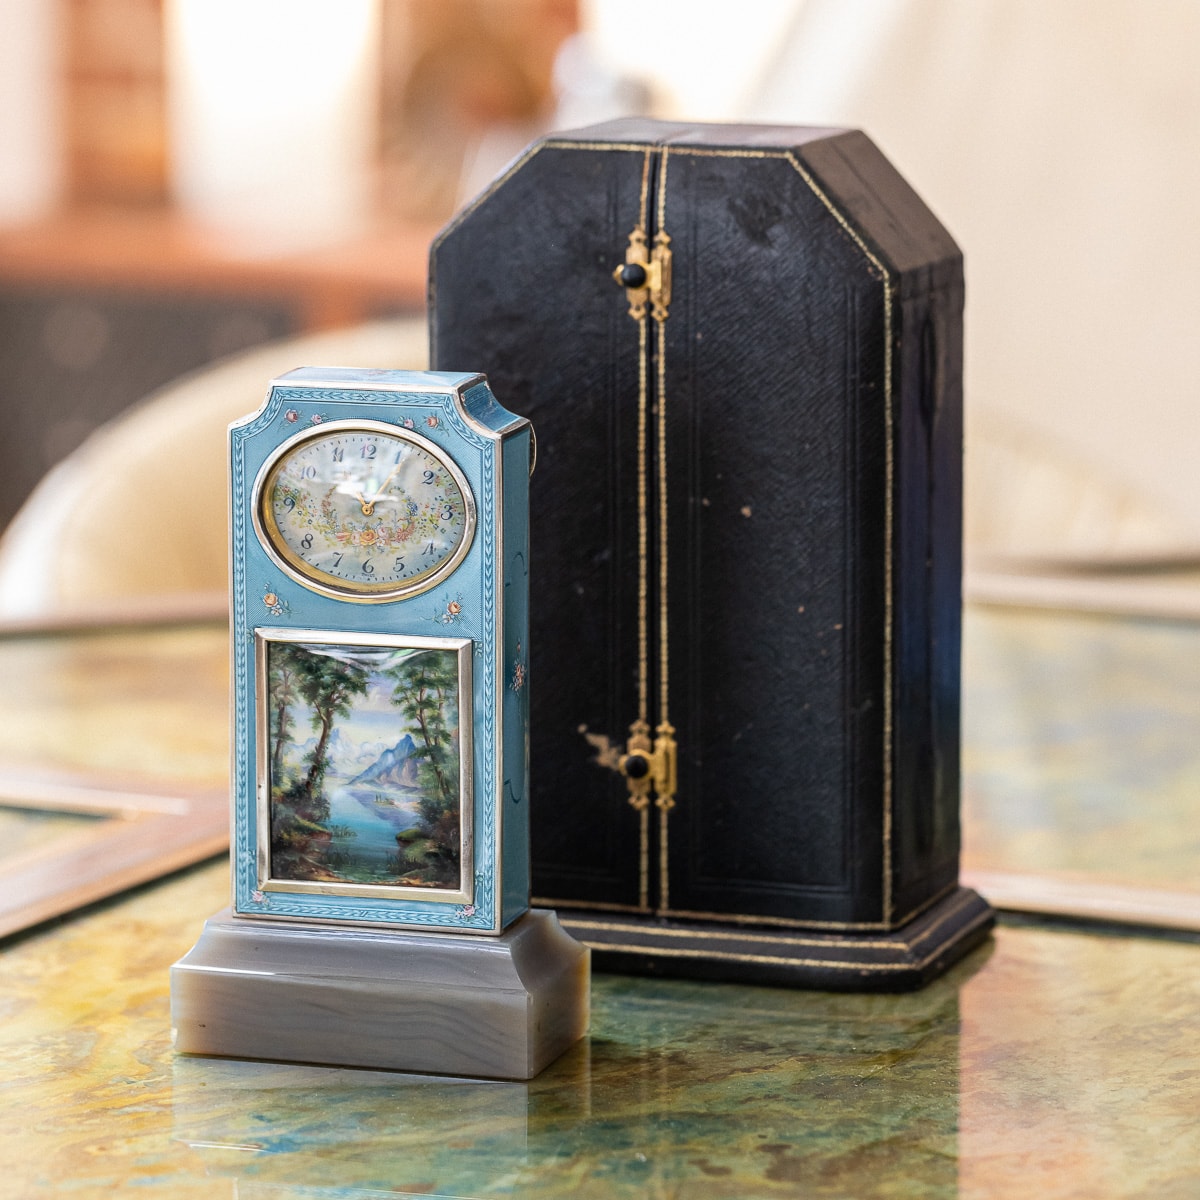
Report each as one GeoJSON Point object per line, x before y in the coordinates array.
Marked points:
{"type": "Point", "coordinates": [369, 505]}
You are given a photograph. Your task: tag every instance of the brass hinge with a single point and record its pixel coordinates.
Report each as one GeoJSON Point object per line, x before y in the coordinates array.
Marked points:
{"type": "Point", "coordinates": [646, 275]}
{"type": "Point", "coordinates": [649, 765]}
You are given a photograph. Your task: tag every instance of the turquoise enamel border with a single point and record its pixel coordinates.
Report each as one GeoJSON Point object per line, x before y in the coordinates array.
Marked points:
{"type": "Point", "coordinates": [464, 605]}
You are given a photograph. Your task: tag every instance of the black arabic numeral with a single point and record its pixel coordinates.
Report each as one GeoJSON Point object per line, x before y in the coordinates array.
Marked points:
{"type": "Point", "coordinates": [367, 568]}
{"type": "Point", "coordinates": [368, 451]}
{"type": "Point", "coordinates": [427, 477]}
{"type": "Point", "coordinates": [306, 542]}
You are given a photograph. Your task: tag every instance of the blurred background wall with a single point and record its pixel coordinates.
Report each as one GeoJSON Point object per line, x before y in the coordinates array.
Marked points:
{"type": "Point", "coordinates": [182, 179]}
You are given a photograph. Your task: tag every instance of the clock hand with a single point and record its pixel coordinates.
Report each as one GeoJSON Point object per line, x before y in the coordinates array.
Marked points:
{"type": "Point", "coordinates": [368, 506]}
{"type": "Point", "coordinates": [382, 488]}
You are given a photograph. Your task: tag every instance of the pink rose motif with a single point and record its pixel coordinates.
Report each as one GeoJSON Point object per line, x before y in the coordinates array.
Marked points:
{"type": "Point", "coordinates": [291, 416]}
{"type": "Point", "coordinates": [432, 422]}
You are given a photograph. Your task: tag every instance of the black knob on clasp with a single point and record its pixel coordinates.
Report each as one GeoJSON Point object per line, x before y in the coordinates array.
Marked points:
{"type": "Point", "coordinates": [632, 275]}
{"type": "Point", "coordinates": [637, 766]}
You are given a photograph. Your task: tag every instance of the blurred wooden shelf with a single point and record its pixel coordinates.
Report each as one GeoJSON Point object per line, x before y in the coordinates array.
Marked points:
{"type": "Point", "coordinates": [160, 252]}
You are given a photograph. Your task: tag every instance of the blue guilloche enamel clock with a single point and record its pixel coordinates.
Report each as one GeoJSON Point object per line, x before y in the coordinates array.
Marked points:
{"type": "Point", "coordinates": [379, 612]}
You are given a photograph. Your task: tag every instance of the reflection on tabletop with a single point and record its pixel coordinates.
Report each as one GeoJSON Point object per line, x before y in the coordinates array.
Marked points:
{"type": "Point", "coordinates": [1038, 1066]}
{"type": "Point", "coordinates": [1081, 785]}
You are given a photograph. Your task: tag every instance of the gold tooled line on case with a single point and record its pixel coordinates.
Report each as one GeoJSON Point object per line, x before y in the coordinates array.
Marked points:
{"type": "Point", "coordinates": [768, 959]}
{"type": "Point", "coordinates": [889, 528]}
{"type": "Point", "coordinates": [726, 152]}
{"type": "Point", "coordinates": [643, 618]}
{"type": "Point", "coordinates": [644, 859]}
{"type": "Point", "coordinates": [793, 923]}
{"type": "Point", "coordinates": [556, 144]}
{"type": "Point", "coordinates": [765, 959]}
{"type": "Point", "coordinates": [643, 532]}
{"type": "Point", "coordinates": [718, 936]}
{"type": "Point", "coordinates": [789, 157]}
{"type": "Point", "coordinates": [963, 901]}
{"type": "Point", "coordinates": [889, 470]}
{"type": "Point", "coordinates": [667, 802]}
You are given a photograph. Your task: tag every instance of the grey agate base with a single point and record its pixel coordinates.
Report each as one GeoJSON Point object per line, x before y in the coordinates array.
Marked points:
{"type": "Point", "coordinates": [446, 1003]}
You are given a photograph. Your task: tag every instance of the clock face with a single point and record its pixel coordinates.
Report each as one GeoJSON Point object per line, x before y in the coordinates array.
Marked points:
{"type": "Point", "coordinates": [362, 510]}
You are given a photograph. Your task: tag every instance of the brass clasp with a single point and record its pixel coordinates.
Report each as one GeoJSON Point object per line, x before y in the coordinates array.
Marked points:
{"type": "Point", "coordinates": [649, 765]}
{"type": "Point", "coordinates": [646, 275]}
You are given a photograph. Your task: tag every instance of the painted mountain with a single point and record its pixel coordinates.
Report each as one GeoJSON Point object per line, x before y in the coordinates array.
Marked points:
{"type": "Point", "coordinates": [338, 748]}
{"type": "Point", "coordinates": [394, 768]}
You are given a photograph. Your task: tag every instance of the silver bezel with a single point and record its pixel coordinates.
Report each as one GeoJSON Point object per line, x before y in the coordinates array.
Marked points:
{"type": "Point", "coordinates": [318, 581]}
{"type": "Point", "coordinates": [465, 893]}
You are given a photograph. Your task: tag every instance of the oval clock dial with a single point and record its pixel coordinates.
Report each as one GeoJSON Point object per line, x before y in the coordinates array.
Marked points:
{"type": "Point", "coordinates": [364, 511]}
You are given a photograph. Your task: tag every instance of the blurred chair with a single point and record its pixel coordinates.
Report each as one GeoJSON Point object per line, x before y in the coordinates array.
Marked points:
{"type": "Point", "coordinates": [139, 511]}
{"type": "Point", "coordinates": [1033, 503]}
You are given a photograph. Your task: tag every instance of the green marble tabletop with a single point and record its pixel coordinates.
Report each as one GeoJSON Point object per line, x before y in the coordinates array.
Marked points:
{"type": "Point", "coordinates": [1051, 1063]}
{"type": "Point", "coordinates": [1081, 745]}
{"type": "Point", "coordinates": [1081, 764]}
{"type": "Point", "coordinates": [1056, 1061]}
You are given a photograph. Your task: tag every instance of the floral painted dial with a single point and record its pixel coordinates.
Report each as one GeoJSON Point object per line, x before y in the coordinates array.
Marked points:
{"type": "Point", "coordinates": [362, 510]}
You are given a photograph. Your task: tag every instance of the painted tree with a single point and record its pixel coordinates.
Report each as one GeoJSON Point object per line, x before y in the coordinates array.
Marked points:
{"type": "Point", "coordinates": [426, 692]}
{"type": "Point", "coordinates": [302, 676]}
{"type": "Point", "coordinates": [328, 685]}
{"type": "Point", "coordinates": [283, 676]}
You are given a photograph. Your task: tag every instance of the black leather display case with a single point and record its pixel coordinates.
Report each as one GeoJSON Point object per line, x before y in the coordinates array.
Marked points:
{"type": "Point", "coordinates": [741, 349]}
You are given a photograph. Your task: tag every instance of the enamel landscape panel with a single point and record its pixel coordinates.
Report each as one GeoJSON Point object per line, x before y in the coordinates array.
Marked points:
{"type": "Point", "coordinates": [364, 765]}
